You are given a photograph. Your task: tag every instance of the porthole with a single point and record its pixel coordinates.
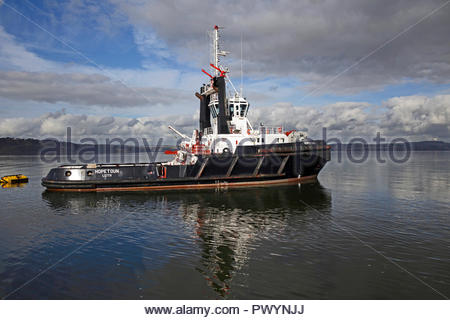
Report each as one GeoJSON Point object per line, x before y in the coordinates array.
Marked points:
{"type": "Point", "coordinates": [68, 173]}
{"type": "Point", "coordinates": [90, 173]}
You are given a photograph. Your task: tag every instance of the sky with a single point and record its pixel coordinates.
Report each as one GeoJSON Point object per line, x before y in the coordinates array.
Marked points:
{"type": "Point", "coordinates": [130, 68]}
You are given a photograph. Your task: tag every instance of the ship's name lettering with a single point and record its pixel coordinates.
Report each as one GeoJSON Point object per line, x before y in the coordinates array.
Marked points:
{"type": "Point", "coordinates": [104, 171]}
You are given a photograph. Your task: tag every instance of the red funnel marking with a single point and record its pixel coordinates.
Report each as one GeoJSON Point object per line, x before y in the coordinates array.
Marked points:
{"type": "Point", "coordinates": [207, 73]}
{"type": "Point", "coordinates": [222, 72]}
{"type": "Point", "coordinates": [288, 132]}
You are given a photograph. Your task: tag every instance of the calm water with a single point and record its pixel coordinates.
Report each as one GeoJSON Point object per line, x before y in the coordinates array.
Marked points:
{"type": "Point", "coordinates": [364, 231]}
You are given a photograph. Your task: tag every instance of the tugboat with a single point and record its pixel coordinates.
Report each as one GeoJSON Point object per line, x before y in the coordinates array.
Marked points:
{"type": "Point", "coordinates": [226, 151]}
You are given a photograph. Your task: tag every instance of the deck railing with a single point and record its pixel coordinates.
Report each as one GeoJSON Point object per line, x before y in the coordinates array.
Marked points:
{"type": "Point", "coordinates": [271, 130]}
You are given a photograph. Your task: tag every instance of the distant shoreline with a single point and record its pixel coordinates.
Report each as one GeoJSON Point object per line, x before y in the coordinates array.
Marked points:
{"type": "Point", "coordinates": [18, 146]}
{"type": "Point", "coordinates": [413, 146]}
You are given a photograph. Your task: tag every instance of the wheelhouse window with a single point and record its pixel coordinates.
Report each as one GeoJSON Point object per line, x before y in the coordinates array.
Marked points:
{"type": "Point", "coordinates": [243, 110]}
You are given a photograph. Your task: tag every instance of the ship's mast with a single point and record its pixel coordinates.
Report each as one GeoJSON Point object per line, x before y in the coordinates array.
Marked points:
{"type": "Point", "coordinates": [217, 53]}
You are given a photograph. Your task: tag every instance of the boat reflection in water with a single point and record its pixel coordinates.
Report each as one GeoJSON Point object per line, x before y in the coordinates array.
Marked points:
{"type": "Point", "coordinates": [229, 224]}
{"type": "Point", "coordinates": [12, 185]}
{"type": "Point", "coordinates": [226, 225]}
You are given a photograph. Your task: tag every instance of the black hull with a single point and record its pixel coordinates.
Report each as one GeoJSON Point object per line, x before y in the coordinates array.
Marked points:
{"type": "Point", "coordinates": [250, 166]}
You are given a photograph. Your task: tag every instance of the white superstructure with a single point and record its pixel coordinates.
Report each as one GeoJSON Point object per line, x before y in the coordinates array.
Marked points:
{"type": "Point", "coordinates": [241, 132]}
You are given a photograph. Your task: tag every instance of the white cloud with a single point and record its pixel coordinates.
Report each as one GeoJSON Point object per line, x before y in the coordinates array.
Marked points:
{"type": "Point", "coordinates": [343, 119]}
{"type": "Point", "coordinates": [149, 44]}
{"type": "Point", "coordinates": [15, 56]}
{"type": "Point", "coordinates": [418, 115]}
{"type": "Point", "coordinates": [55, 124]}
{"type": "Point", "coordinates": [412, 117]}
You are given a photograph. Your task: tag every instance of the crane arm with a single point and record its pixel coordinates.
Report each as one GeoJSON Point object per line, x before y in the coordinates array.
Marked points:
{"type": "Point", "coordinates": [179, 133]}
